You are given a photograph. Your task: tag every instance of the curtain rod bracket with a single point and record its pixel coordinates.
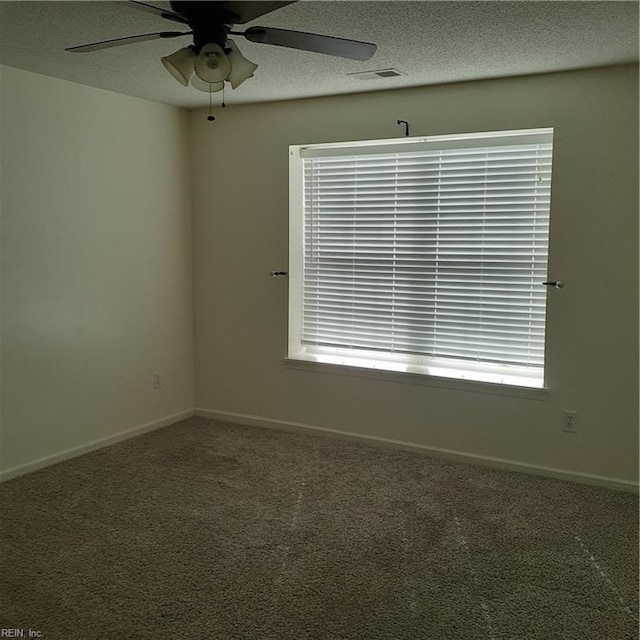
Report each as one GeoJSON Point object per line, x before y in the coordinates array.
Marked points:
{"type": "Point", "coordinates": [406, 126]}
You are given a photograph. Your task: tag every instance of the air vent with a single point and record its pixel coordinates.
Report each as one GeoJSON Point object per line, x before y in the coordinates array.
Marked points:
{"type": "Point", "coordinates": [376, 75]}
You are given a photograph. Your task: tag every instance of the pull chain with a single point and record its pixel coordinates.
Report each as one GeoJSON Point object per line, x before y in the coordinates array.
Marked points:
{"type": "Point", "coordinates": [210, 117]}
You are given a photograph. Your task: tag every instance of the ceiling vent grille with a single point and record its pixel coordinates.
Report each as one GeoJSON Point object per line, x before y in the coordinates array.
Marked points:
{"type": "Point", "coordinates": [378, 74]}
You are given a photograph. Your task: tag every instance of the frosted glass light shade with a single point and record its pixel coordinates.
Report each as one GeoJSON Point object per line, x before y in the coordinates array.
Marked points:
{"type": "Point", "coordinates": [212, 64]}
{"type": "Point", "coordinates": [207, 87]}
{"type": "Point", "coordinates": [241, 68]}
{"type": "Point", "coordinates": [180, 64]}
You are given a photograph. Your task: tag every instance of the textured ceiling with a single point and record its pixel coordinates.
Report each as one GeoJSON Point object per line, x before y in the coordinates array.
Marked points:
{"type": "Point", "coordinates": [429, 42]}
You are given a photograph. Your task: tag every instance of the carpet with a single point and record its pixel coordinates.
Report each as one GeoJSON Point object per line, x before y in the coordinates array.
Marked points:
{"type": "Point", "coordinates": [205, 530]}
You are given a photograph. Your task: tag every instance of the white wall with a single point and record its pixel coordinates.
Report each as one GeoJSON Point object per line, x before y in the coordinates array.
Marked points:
{"type": "Point", "coordinates": [96, 266]}
{"type": "Point", "coordinates": [240, 169]}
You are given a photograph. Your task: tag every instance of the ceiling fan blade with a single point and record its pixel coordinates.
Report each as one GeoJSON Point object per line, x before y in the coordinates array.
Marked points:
{"type": "Point", "coordinates": [163, 13]}
{"type": "Point", "coordinates": [246, 11]}
{"type": "Point", "coordinates": [118, 42]}
{"type": "Point", "coordinates": [311, 42]}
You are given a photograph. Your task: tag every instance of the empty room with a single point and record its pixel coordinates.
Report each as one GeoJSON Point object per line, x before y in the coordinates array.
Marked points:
{"type": "Point", "coordinates": [319, 320]}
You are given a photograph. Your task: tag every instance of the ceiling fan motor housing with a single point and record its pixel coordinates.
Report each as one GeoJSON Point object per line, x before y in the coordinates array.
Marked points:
{"type": "Point", "coordinates": [209, 21]}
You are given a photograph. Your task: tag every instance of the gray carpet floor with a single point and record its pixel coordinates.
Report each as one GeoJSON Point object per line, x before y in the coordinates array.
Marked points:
{"type": "Point", "coordinates": [208, 530]}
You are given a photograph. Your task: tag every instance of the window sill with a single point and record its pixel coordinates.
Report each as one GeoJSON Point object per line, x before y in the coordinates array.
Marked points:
{"type": "Point", "coordinates": [404, 377]}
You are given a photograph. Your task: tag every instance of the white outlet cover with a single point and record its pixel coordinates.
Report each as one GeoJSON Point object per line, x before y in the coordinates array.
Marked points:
{"type": "Point", "coordinates": [570, 421]}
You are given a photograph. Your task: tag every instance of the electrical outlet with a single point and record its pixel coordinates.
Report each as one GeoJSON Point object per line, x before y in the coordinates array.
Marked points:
{"type": "Point", "coordinates": [156, 381]}
{"type": "Point", "coordinates": [570, 421]}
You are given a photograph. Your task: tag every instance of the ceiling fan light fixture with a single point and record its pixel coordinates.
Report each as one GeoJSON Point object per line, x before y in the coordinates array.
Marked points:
{"type": "Point", "coordinates": [207, 87]}
{"type": "Point", "coordinates": [241, 68]}
{"type": "Point", "coordinates": [180, 64]}
{"type": "Point", "coordinates": [212, 64]}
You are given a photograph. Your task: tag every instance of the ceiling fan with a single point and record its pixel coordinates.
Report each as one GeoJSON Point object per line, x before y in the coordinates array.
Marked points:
{"type": "Point", "coordinates": [213, 57]}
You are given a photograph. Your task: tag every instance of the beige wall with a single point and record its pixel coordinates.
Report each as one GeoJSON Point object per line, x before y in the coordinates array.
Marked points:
{"type": "Point", "coordinates": [96, 270]}
{"type": "Point", "coordinates": [96, 266]}
{"type": "Point", "coordinates": [240, 172]}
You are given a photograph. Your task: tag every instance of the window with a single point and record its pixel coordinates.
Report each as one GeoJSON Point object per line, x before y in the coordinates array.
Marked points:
{"type": "Point", "coordinates": [425, 255]}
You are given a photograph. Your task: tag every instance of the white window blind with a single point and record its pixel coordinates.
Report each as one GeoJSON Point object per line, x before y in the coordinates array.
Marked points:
{"type": "Point", "coordinates": [430, 253]}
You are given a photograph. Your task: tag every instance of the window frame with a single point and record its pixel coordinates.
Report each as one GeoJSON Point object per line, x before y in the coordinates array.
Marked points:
{"type": "Point", "coordinates": [416, 366]}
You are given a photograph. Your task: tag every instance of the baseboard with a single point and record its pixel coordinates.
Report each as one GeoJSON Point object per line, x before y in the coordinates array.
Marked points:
{"type": "Point", "coordinates": [40, 463]}
{"type": "Point", "coordinates": [468, 458]}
